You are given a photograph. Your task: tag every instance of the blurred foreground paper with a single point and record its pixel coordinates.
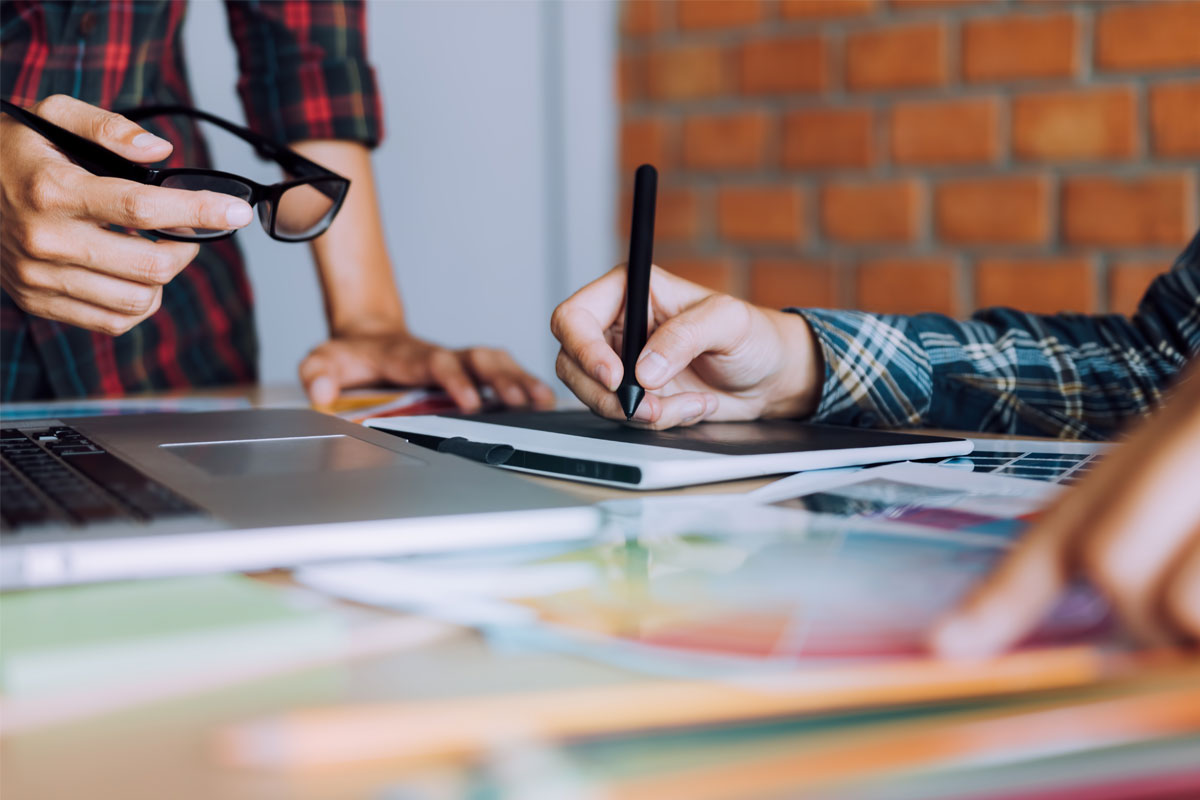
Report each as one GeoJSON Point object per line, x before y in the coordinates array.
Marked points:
{"type": "Point", "coordinates": [859, 568]}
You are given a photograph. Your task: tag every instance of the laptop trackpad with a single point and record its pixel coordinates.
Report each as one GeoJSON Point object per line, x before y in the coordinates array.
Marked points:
{"type": "Point", "coordinates": [287, 456]}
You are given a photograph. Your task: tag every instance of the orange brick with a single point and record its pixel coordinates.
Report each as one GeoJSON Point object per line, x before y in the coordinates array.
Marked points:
{"type": "Point", "coordinates": [779, 283]}
{"type": "Point", "coordinates": [718, 14]}
{"type": "Point", "coordinates": [1008, 210]}
{"type": "Point", "coordinates": [1175, 118]}
{"type": "Point", "coordinates": [676, 217]}
{"type": "Point", "coordinates": [772, 66]}
{"type": "Point", "coordinates": [717, 274]}
{"type": "Point", "coordinates": [1148, 36]}
{"type": "Point", "coordinates": [885, 211]}
{"type": "Point", "coordinates": [1091, 124]}
{"type": "Point", "coordinates": [907, 285]}
{"type": "Point", "coordinates": [631, 80]}
{"type": "Point", "coordinates": [820, 9]}
{"type": "Point", "coordinates": [954, 132]}
{"type": "Point", "coordinates": [726, 141]}
{"type": "Point", "coordinates": [753, 214]}
{"type": "Point", "coordinates": [1037, 285]}
{"type": "Point", "coordinates": [923, 5]}
{"type": "Point", "coordinates": [832, 137]}
{"type": "Point", "coordinates": [1129, 280]}
{"type": "Point", "coordinates": [1158, 209]}
{"type": "Point", "coordinates": [646, 141]}
{"type": "Point", "coordinates": [1016, 47]}
{"type": "Point", "coordinates": [897, 58]}
{"type": "Point", "coordinates": [686, 72]}
{"type": "Point", "coordinates": [643, 17]}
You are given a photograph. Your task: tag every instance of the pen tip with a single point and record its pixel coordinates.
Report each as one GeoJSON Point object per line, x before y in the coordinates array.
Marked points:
{"type": "Point", "coordinates": [630, 396]}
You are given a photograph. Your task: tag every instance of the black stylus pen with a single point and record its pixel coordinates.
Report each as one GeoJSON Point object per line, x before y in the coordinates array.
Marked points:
{"type": "Point", "coordinates": [637, 285]}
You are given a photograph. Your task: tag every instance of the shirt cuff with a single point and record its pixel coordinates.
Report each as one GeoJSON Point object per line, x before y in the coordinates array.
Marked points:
{"type": "Point", "coordinates": [875, 376]}
{"type": "Point", "coordinates": [335, 99]}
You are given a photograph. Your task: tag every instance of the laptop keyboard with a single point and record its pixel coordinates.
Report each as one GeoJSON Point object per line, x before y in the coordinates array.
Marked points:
{"type": "Point", "coordinates": [57, 475]}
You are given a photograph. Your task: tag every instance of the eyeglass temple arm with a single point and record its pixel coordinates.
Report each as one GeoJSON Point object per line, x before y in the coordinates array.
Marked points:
{"type": "Point", "coordinates": [286, 157]}
{"type": "Point", "coordinates": [86, 153]}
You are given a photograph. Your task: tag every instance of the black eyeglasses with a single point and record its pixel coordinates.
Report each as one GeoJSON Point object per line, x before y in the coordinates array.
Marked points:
{"type": "Point", "coordinates": [293, 210]}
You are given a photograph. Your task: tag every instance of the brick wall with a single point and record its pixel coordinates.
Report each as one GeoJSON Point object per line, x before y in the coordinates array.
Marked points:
{"type": "Point", "coordinates": [916, 154]}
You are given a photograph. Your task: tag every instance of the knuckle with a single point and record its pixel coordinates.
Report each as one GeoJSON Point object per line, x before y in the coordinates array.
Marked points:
{"type": "Point", "coordinates": [560, 366]}
{"type": "Point", "coordinates": [679, 335]}
{"type": "Point", "coordinates": [152, 269]}
{"type": "Point", "coordinates": [40, 243]}
{"type": "Point", "coordinates": [137, 301]}
{"type": "Point", "coordinates": [109, 126]}
{"type": "Point", "coordinates": [479, 358]}
{"type": "Point", "coordinates": [45, 192]}
{"type": "Point", "coordinates": [112, 326]}
{"type": "Point", "coordinates": [442, 361]}
{"type": "Point", "coordinates": [136, 207]}
{"type": "Point", "coordinates": [155, 303]}
{"type": "Point", "coordinates": [40, 279]}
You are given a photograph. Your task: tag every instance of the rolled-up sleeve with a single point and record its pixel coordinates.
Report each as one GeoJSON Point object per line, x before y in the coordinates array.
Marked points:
{"type": "Point", "coordinates": [1066, 375]}
{"type": "Point", "coordinates": [303, 69]}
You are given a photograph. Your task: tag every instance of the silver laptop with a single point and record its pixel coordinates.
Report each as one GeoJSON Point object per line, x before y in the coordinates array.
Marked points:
{"type": "Point", "coordinates": [105, 498]}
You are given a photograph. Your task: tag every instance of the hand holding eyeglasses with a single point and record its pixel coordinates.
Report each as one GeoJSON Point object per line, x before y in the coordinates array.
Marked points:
{"type": "Point", "coordinates": [58, 259]}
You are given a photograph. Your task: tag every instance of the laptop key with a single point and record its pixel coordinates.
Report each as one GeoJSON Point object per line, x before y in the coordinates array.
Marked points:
{"type": "Point", "coordinates": [146, 496]}
{"type": "Point", "coordinates": [21, 507]}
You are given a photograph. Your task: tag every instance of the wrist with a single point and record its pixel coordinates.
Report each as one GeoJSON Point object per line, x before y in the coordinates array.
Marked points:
{"type": "Point", "coordinates": [797, 389]}
{"type": "Point", "coordinates": [368, 325]}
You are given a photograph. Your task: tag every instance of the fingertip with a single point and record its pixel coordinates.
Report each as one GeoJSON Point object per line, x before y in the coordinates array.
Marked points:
{"type": "Point", "coordinates": [648, 411]}
{"type": "Point", "coordinates": [467, 399]}
{"type": "Point", "coordinates": [513, 396]}
{"type": "Point", "coordinates": [238, 213]}
{"type": "Point", "coordinates": [959, 637]}
{"type": "Point", "coordinates": [543, 396]}
{"type": "Point", "coordinates": [323, 391]}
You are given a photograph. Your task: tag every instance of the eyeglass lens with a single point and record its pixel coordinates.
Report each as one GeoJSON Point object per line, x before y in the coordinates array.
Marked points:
{"type": "Point", "coordinates": [210, 183]}
{"type": "Point", "coordinates": [305, 209]}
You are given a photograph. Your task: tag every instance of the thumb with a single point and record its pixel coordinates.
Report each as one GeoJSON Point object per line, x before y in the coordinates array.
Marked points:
{"type": "Point", "coordinates": [715, 324]}
{"type": "Point", "coordinates": [111, 131]}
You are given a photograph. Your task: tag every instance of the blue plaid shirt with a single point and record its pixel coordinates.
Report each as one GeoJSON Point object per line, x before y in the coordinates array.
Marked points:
{"type": "Point", "coordinates": [1065, 375]}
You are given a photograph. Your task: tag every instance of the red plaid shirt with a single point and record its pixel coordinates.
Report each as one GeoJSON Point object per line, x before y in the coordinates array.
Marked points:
{"type": "Point", "coordinates": [304, 75]}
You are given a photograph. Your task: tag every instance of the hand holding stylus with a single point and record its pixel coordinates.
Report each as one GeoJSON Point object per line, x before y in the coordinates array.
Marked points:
{"type": "Point", "coordinates": [708, 356]}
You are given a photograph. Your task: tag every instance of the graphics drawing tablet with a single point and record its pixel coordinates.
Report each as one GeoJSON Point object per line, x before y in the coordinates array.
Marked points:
{"type": "Point", "coordinates": [581, 446]}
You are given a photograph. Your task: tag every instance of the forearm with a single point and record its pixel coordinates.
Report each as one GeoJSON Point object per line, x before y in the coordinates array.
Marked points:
{"type": "Point", "coordinates": [1008, 371]}
{"type": "Point", "coordinates": [361, 296]}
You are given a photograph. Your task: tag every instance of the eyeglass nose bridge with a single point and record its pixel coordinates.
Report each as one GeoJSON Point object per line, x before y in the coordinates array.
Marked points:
{"type": "Point", "coordinates": [266, 212]}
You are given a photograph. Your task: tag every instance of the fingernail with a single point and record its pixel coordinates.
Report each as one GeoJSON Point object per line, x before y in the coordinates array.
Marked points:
{"type": "Point", "coordinates": [324, 391]}
{"type": "Point", "coordinates": [642, 414]}
{"type": "Point", "coordinates": [652, 368]}
{"type": "Point", "coordinates": [960, 639]}
{"type": "Point", "coordinates": [692, 409]}
{"type": "Point", "coordinates": [604, 375]}
{"type": "Point", "coordinates": [238, 214]}
{"type": "Point", "coordinates": [147, 141]}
